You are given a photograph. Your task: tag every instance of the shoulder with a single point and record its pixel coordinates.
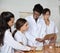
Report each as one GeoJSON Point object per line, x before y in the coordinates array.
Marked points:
{"type": "Point", "coordinates": [8, 34]}
{"type": "Point", "coordinates": [42, 21]}
{"type": "Point", "coordinates": [28, 17]}
{"type": "Point", "coordinates": [52, 22]}
{"type": "Point", "coordinates": [17, 34]}
{"type": "Point", "coordinates": [7, 31]}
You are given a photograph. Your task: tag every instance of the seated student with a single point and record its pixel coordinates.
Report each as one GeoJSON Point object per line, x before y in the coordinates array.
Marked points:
{"type": "Point", "coordinates": [6, 39]}
{"type": "Point", "coordinates": [50, 27]}
{"type": "Point", "coordinates": [19, 34]}
{"type": "Point", "coordinates": [50, 31]}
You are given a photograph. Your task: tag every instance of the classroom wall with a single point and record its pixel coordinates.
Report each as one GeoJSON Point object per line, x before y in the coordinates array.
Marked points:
{"type": "Point", "coordinates": [17, 6]}
{"type": "Point", "coordinates": [54, 6]}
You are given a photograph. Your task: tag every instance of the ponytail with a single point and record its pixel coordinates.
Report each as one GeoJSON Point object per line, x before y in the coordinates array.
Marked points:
{"type": "Point", "coordinates": [2, 31]}
{"type": "Point", "coordinates": [14, 33]}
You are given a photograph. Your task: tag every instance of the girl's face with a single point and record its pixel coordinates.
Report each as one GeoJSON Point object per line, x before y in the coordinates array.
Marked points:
{"type": "Point", "coordinates": [25, 27]}
{"type": "Point", "coordinates": [11, 22]}
{"type": "Point", "coordinates": [47, 15]}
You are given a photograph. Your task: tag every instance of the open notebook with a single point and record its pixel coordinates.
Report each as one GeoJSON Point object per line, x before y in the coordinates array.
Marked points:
{"type": "Point", "coordinates": [48, 36]}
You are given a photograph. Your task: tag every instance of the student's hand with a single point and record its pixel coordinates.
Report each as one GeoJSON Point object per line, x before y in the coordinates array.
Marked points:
{"type": "Point", "coordinates": [21, 43]}
{"type": "Point", "coordinates": [39, 40]}
{"type": "Point", "coordinates": [33, 48]}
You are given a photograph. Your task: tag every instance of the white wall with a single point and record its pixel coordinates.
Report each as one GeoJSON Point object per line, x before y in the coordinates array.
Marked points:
{"type": "Point", "coordinates": [17, 6]}
{"type": "Point", "coordinates": [20, 5]}
{"type": "Point", "coordinates": [54, 6]}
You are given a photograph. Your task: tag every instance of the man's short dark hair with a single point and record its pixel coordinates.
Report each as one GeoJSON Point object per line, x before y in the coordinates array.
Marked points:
{"type": "Point", "coordinates": [38, 8]}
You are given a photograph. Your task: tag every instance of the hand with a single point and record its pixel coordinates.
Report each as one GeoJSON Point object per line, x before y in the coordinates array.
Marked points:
{"type": "Point", "coordinates": [33, 48]}
{"type": "Point", "coordinates": [39, 40]}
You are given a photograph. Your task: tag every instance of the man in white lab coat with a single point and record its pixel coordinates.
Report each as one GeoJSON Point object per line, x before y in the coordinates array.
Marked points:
{"type": "Point", "coordinates": [35, 31]}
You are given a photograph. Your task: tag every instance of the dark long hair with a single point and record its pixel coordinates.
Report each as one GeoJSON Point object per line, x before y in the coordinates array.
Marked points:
{"type": "Point", "coordinates": [5, 17]}
{"type": "Point", "coordinates": [19, 23]}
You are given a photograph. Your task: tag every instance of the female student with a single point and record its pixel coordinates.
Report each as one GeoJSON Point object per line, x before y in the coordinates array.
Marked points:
{"type": "Point", "coordinates": [6, 40]}
{"type": "Point", "coordinates": [19, 34]}
{"type": "Point", "coordinates": [50, 27]}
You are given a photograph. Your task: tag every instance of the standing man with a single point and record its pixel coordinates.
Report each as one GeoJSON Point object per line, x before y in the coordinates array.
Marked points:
{"type": "Point", "coordinates": [34, 33]}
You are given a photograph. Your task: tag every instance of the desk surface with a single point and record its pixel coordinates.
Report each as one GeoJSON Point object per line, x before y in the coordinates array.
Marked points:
{"type": "Point", "coordinates": [53, 50]}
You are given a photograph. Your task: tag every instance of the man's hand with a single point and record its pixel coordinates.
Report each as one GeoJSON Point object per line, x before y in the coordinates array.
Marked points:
{"type": "Point", "coordinates": [39, 40]}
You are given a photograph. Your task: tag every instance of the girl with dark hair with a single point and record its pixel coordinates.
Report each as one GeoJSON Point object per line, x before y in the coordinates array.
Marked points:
{"type": "Point", "coordinates": [19, 34]}
{"type": "Point", "coordinates": [49, 24]}
{"type": "Point", "coordinates": [6, 40]}
{"type": "Point", "coordinates": [49, 29]}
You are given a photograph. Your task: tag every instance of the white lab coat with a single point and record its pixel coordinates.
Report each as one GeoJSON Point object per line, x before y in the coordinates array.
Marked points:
{"type": "Point", "coordinates": [51, 28]}
{"type": "Point", "coordinates": [10, 44]}
{"type": "Point", "coordinates": [35, 31]}
{"type": "Point", "coordinates": [20, 37]}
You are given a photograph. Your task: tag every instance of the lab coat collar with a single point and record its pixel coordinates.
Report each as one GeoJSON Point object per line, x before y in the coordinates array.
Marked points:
{"type": "Point", "coordinates": [34, 19]}
{"type": "Point", "coordinates": [20, 32]}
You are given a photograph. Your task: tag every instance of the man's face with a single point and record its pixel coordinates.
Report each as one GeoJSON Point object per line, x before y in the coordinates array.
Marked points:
{"type": "Point", "coordinates": [36, 14]}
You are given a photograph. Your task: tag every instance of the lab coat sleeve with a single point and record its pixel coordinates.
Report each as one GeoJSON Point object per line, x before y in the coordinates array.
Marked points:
{"type": "Point", "coordinates": [14, 44]}
{"type": "Point", "coordinates": [18, 38]}
{"type": "Point", "coordinates": [30, 37]}
{"type": "Point", "coordinates": [42, 31]}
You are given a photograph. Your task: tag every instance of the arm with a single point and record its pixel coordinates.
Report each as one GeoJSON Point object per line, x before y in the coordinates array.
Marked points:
{"type": "Point", "coordinates": [14, 44]}
{"type": "Point", "coordinates": [18, 38]}
{"type": "Point", "coordinates": [39, 40]}
{"type": "Point", "coordinates": [30, 36]}
{"type": "Point", "coordinates": [42, 33]}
